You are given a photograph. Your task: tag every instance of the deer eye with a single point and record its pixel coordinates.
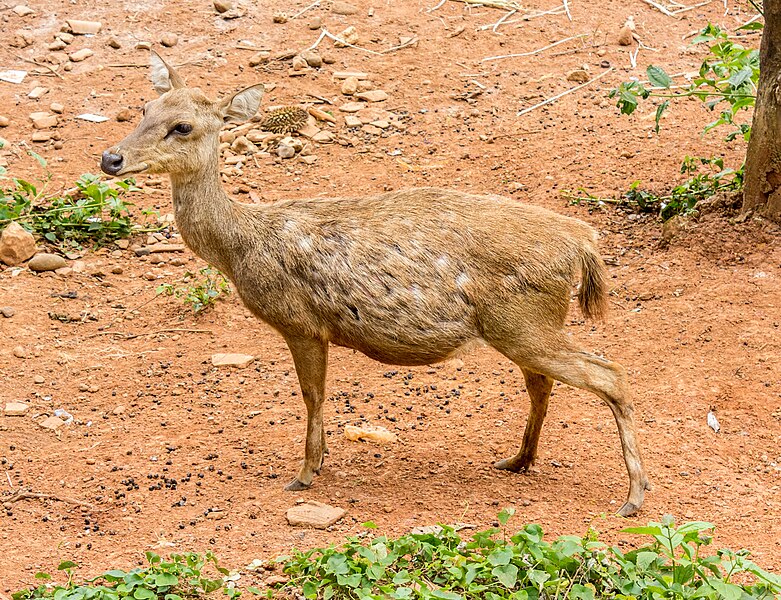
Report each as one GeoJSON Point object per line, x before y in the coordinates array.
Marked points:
{"type": "Point", "coordinates": [182, 129]}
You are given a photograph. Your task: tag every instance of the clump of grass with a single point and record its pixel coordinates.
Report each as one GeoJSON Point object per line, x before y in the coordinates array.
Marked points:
{"type": "Point", "coordinates": [199, 290]}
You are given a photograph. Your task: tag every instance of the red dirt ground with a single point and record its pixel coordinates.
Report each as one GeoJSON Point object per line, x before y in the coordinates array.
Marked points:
{"type": "Point", "coordinates": [696, 322]}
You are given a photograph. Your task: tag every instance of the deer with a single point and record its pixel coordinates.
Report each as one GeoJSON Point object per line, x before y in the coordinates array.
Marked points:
{"type": "Point", "coordinates": [408, 277]}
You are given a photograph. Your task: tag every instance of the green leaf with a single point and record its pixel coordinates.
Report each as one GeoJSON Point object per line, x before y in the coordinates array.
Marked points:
{"type": "Point", "coordinates": [644, 559]}
{"type": "Point", "coordinates": [581, 592]}
{"type": "Point", "coordinates": [537, 577]}
{"type": "Point", "coordinates": [445, 595]}
{"type": "Point", "coordinates": [726, 591]}
{"type": "Point", "coordinates": [505, 515]}
{"type": "Point", "coordinates": [500, 556]}
{"type": "Point", "coordinates": [166, 579]}
{"type": "Point", "coordinates": [658, 77]}
{"type": "Point", "coordinates": [309, 589]}
{"type": "Point", "coordinates": [649, 530]}
{"type": "Point", "coordinates": [44, 576]}
{"type": "Point", "coordinates": [506, 574]}
{"type": "Point", "coordinates": [659, 112]}
{"type": "Point", "coordinates": [143, 593]}
{"type": "Point", "coordinates": [67, 564]}
{"type": "Point", "coordinates": [369, 525]}
{"type": "Point", "coordinates": [739, 78]}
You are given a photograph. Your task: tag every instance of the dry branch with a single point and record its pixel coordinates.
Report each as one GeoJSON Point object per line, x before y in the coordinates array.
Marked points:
{"type": "Point", "coordinates": [562, 94]}
{"type": "Point", "coordinates": [24, 495]}
{"type": "Point", "coordinates": [537, 51]}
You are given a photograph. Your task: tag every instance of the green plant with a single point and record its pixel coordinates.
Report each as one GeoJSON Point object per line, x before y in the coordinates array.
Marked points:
{"type": "Point", "coordinates": [179, 578]}
{"type": "Point", "coordinates": [525, 567]}
{"type": "Point", "coordinates": [199, 291]}
{"type": "Point", "coordinates": [94, 213]}
{"type": "Point", "coordinates": [727, 78]}
{"type": "Point", "coordinates": [706, 177]}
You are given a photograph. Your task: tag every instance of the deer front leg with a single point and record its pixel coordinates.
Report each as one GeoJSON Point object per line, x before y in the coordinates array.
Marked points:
{"type": "Point", "coordinates": [310, 357]}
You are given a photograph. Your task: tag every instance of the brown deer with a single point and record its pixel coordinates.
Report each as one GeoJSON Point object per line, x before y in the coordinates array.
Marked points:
{"type": "Point", "coordinates": [407, 277]}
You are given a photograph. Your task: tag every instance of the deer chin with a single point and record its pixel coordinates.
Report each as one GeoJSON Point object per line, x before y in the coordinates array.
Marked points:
{"type": "Point", "coordinates": [133, 169]}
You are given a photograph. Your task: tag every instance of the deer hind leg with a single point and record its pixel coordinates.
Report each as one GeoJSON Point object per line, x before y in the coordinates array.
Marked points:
{"type": "Point", "coordinates": [310, 357]}
{"type": "Point", "coordinates": [557, 358]}
{"type": "Point", "coordinates": [539, 388]}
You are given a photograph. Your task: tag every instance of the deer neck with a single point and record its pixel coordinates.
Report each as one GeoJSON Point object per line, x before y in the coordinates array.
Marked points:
{"type": "Point", "coordinates": [206, 217]}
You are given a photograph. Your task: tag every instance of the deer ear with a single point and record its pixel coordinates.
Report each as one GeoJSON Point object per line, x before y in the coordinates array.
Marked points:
{"type": "Point", "coordinates": [243, 105]}
{"type": "Point", "coordinates": [163, 76]}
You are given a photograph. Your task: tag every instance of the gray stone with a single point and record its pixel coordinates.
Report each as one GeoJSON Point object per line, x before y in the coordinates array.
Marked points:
{"type": "Point", "coordinates": [47, 262]}
{"type": "Point", "coordinates": [343, 8]}
{"type": "Point", "coordinates": [16, 244]}
{"type": "Point", "coordinates": [373, 96]}
{"type": "Point", "coordinates": [285, 151]}
{"type": "Point", "coordinates": [314, 514]}
{"type": "Point", "coordinates": [7, 312]}
{"type": "Point", "coordinates": [52, 423]}
{"type": "Point", "coordinates": [312, 58]}
{"type": "Point", "coordinates": [232, 360]}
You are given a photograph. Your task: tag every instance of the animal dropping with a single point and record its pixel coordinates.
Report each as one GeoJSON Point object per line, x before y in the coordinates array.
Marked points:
{"type": "Point", "coordinates": [409, 277]}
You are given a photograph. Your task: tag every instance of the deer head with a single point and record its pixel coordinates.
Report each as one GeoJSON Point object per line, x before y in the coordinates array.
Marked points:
{"type": "Point", "coordinates": [179, 133]}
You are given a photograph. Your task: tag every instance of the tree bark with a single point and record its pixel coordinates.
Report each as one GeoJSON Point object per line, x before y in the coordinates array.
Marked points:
{"type": "Point", "coordinates": [762, 191]}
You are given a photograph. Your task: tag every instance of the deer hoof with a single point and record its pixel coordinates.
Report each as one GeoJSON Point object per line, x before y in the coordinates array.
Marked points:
{"type": "Point", "coordinates": [297, 486]}
{"type": "Point", "coordinates": [511, 464]}
{"type": "Point", "coordinates": [627, 509]}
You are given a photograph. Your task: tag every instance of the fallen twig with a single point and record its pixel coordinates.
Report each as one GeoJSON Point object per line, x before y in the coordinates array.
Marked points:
{"type": "Point", "coordinates": [40, 64]}
{"type": "Point", "coordinates": [409, 42]}
{"type": "Point", "coordinates": [327, 34]}
{"type": "Point", "coordinates": [439, 5]}
{"type": "Point", "coordinates": [24, 495]}
{"type": "Point", "coordinates": [564, 93]}
{"type": "Point", "coordinates": [310, 7]}
{"type": "Point", "coordinates": [132, 336]}
{"type": "Point", "coordinates": [554, 44]}
{"type": "Point", "coordinates": [504, 4]}
{"type": "Point", "coordinates": [502, 20]}
{"type": "Point", "coordinates": [659, 7]}
{"type": "Point", "coordinates": [566, 9]}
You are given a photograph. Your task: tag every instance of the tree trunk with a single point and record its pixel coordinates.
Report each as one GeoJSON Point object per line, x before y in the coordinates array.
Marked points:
{"type": "Point", "coordinates": [762, 192]}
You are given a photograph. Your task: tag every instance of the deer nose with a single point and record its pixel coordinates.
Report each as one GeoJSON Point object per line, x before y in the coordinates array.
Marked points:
{"type": "Point", "coordinates": [111, 163]}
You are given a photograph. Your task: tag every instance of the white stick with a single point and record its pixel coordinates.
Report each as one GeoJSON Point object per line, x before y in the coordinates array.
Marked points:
{"type": "Point", "coordinates": [659, 7]}
{"type": "Point", "coordinates": [574, 37]}
{"type": "Point", "coordinates": [433, 8]}
{"type": "Point", "coordinates": [564, 93]}
{"type": "Point", "coordinates": [341, 41]}
{"type": "Point", "coordinates": [633, 57]}
{"type": "Point", "coordinates": [310, 7]}
{"type": "Point", "coordinates": [502, 20]}
{"type": "Point", "coordinates": [566, 9]}
{"type": "Point", "coordinates": [692, 7]}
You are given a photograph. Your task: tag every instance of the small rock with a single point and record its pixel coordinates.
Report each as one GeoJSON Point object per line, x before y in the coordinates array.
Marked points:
{"type": "Point", "coordinates": [39, 379]}
{"type": "Point", "coordinates": [241, 145]}
{"type": "Point", "coordinates": [280, 17]}
{"type": "Point", "coordinates": [16, 244]}
{"type": "Point", "coordinates": [41, 136]}
{"type": "Point", "coordinates": [259, 58]}
{"type": "Point", "coordinates": [315, 24]}
{"type": "Point", "coordinates": [7, 311]}
{"type": "Point", "coordinates": [343, 8]}
{"type": "Point", "coordinates": [44, 120]}
{"type": "Point", "coordinates": [16, 409]}
{"type": "Point", "coordinates": [379, 435]}
{"type": "Point", "coordinates": [350, 86]}
{"type": "Point", "coordinates": [285, 151]}
{"type": "Point", "coordinates": [324, 137]}
{"type": "Point", "coordinates": [118, 410]}
{"type": "Point", "coordinates": [56, 107]}
{"type": "Point", "coordinates": [232, 360]}
{"type": "Point", "coordinates": [46, 262]}
{"type": "Point", "coordinates": [373, 96]}
{"type": "Point", "coordinates": [169, 40]}
{"type": "Point", "coordinates": [222, 6]}
{"type": "Point", "coordinates": [114, 43]}
{"type": "Point", "coordinates": [4, 121]}
{"type": "Point", "coordinates": [65, 37]}
{"type": "Point", "coordinates": [352, 121]}
{"type": "Point", "coordinates": [314, 514]}
{"type": "Point", "coordinates": [371, 130]}
{"type": "Point", "coordinates": [80, 55]}
{"type": "Point", "coordinates": [626, 33]}
{"type": "Point", "coordinates": [351, 107]}
{"type": "Point", "coordinates": [20, 352]}
{"type": "Point", "coordinates": [52, 423]}
{"type": "Point", "coordinates": [22, 10]}
{"type": "Point", "coordinates": [79, 27]}
{"type": "Point", "coordinates": [308, 131]}
{"type": "Point", "coordinates": [37, 92]}
{"type": "Point", "coordinates": [578, 76]}
{"type": "Point", "coordinates": [144, 46]}
{"type": "Point", "coordinates": [149, 276]}
{"type": "Point", "coordinates": [124, 115]}
{"type": "Point", "coordinates": [56, 45]}
{"type": "Point", "coordinates": [309, 159]}
{"type": "Point", "coordinates": [275, 580]}
{"type": "Point", "coordinates": [312, 58]}
{"type": "Point", "coordinates": [299, 64]}
{"type": "Point", "coordinates": [349, 35]}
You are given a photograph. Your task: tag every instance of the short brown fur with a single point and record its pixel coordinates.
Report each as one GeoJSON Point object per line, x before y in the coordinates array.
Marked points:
{"type": "Point", "coordinates": [407, 277]}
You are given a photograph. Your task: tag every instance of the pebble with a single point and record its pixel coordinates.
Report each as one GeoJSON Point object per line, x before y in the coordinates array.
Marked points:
{"type": "Point", "coordinates": [41, 136]}
{"type": "Point", "coordinates": [285, 151]}
{"type": "Point", "coordinates": [144, 46]}
{"type": "Point", "coordinates": [222, 6]}
{"type": "Point", "coordinates": [39, 379]}
{"type": "Point", "coordinates": [46, 262]}
{"type": "Point", "coordinates": [352, 121]}
{"type": "Point", "coordinates": [259, 58]}
{"type": "Point", "coordinates": [324, 137]}
{"type": "Point", "coordinates": [66, 37]}
{"type": "Point", "coordinates": [118, 410]}
{"type": "Point", "coordinates": [79, 27]}
{"type": "Point", "coordinates": [16, 409]}
{"type": "Point", "coordinates": [232, 360]}
{"type": "Point", "coordinates": [578, 76]}
{"type": "Point", "coordinates": [169, 40]}
{"type": "Point", "coordinates": [56, 107]}
{"type": "Point", "coordinates": [373, 96]}
{"type": "Point", "coordinates": [52, 423]}
{"type": "Point", "coordinates": [20, 352]}
{"type": "Point", "coordinates": [16, 244]}
{"type": "Point", "coordinates": [114, 43]}
{"type": "Point", "coordinates": [315, 24]}
{"type": "Point", "coordinates": [57, 44]}
{"type": "Point", "coordinates": [349, 35]}
{"type": "Point", "coordinates": [80, 55]}
{"type": "Point", "coordinates": [280, 17]}
{"type": "Point", "coordinates": [309, 159]}
{"type": "Point", "coordinates": [124, 115]}
{"type": "Point", "coordinates": [22, 11]}
{"type": "Point", "coordinates": [314, 514]}
{"type": "Point", "coordinates": [299, 64]}
{"type": "Point", "coordinates": [241, 145]}
{"type": "Point", "coordinates": [312, 58]}
{"type": "Point", "coordinates": [350, 86]}
{"type": "Point", "coordinates": [4, 121]}
{"type": "Point", "coordinates": [44, 120]}
{"type": "Point", "coordinates": [351, 107]}
{"type": "Point", "coordinates": [149, 276]}
{"type": "Point", "coordinates": [346, 74]}
{"type": "Point", "coordinates": [7, 311]}
{"type": "Point", "coordinates": [343, 8]}
{"type": "Point", "coordinates": [37, 92]}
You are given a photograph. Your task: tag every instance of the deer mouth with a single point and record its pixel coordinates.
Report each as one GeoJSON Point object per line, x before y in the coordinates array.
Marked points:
{"type": "Point", "coordinates": [133, 169]}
